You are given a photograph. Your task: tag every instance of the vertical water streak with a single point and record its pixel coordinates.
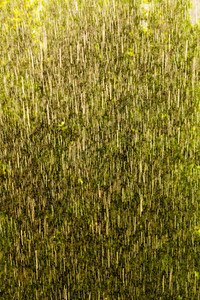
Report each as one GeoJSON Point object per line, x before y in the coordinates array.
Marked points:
{"type": "Point", "coordinates": [195, 11]}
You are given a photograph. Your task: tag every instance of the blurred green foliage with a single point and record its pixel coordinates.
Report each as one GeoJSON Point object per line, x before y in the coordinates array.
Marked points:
{"type": "Point", "coordinates": [99, 151]}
